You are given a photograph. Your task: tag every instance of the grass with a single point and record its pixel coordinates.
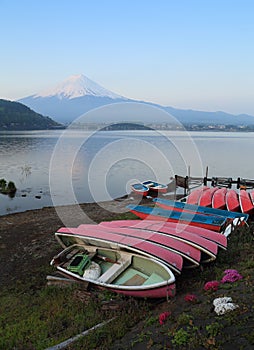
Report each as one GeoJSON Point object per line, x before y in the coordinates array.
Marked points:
{"type": "Point", "coordinates": [40, 319]}
{"type": "Point", "coordinates": [36, 316]}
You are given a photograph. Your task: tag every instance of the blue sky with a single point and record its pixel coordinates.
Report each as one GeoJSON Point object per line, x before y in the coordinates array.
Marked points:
{"type": "Point", "coordinates": [191, 54]}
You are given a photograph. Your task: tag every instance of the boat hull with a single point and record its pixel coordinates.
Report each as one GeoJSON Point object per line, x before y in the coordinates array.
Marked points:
{"type": "Point", "coordinates": [140, 189]}
{"type": "Point", "coordinates": [190, 253]}
{"type": "Point", "coordinates": [205, 221]}
{"type": "Point", "coordinates": [116, 240]}
{"type": "Point", "coordinates": [219, 198]}
{"type": "Point", "coordinates": [246, 203]}
{"type": "Point", "coordinates": [181, 206]}
{"type": "Point", "coordinates": [252, 196]}
{"type": "Point", "coordinates": [232, 201]}
{"type": "Point", "coordinates": [208, 248]}
{"type": "Point", "coordinates": [187, 233]}
{"type": "Point", "coordinates": [168, 291]}
{"type": "Point", "coordinates": [194, 196]}
{"type": "Point", "coordinates": [155, 186]}
{"type": "Point", "coordinates": [205, 199]}
{"type": "Point", "coordinates": [124, 273]}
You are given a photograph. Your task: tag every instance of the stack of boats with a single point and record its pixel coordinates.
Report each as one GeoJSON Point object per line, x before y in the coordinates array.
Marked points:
{"type": "Point", "coordinates": [241, 200]}
{"type": "Point", "coordinates": [142, 258]}
{"type": "Point", "coordinates": [148, 187]}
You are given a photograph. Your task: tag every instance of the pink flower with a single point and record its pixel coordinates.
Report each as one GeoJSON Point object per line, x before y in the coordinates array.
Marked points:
{"type": "Point", "coordinates": [212, 285]}
{"type": "Point", "coordinates": [163, 316]}
{"type": "Point", "coordinates": [191, 298]}
{"type": "Point", "coordinates": [231, 276]}
{"type": "Point", "coordinates": [230, 271]}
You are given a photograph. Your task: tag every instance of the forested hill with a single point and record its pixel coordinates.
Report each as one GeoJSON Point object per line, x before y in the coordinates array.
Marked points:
{"type": "Point", "coordinates": [16, 116]}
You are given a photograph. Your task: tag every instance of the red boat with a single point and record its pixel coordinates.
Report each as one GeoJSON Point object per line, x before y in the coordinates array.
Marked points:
{"type": "Point", "coordinates": [116, 240]}
{"type": "Point", "coordinates": [232, 201]}
{"type": "Point", "coordinates": [172, 206]}
{"type": "Point", "coordinates": [219, 198]}
{"type": "Point", "coordinates": [191, 254]}
{"type": "Point", "coordinates": [246, 203]}
{"type": "Point", "coordinates": [252, 196]}
{"type": "Point", "coordinates": [205, 200]}
{"type": "Point", "coordinates": [208, 248]}
{"type": "Point", "coordinates": [193, 197]}
{"type": "Point", "coordinates": [180, 231]}
{"type": "Point", "coordinates": [195, 236]}
{"type": "Point", "coordinates": [211, 222]}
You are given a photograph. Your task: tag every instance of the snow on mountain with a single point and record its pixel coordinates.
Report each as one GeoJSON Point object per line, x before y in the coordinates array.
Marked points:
{"type": "Point", "coordinates": [71, 98]}
{"type": "Point", "coordinates": [77, 86]}
{"type": "Point", "coordinates": [77, 95]}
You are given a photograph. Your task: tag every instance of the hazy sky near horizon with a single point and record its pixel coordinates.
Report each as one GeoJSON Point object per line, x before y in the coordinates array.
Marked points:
{"type": "Point", "coordinates": [190, 54]}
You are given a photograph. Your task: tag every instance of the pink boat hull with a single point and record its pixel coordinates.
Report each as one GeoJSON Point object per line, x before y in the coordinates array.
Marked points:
{"type": "Point", "coordinates": [206, 246]}
{"type": "Point", "coordinates": [180, 230]}
{"type": "Point", "coordinates": [191, 254]}
{"type": "Point", "coordinates": [174, 260]}
{"type": "Point", "coordinates": [160, 292]}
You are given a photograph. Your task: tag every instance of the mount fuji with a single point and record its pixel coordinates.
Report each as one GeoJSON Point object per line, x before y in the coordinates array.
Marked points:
{"type": "Point", "coordinates": [71, 98]}
{"type": "Point", "coordinates": [77, 86]}
{"type": "Point", "coordinates": [78, 94]}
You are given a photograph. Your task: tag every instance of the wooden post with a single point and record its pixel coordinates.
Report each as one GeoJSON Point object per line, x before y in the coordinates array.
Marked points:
{"type": "Point", "coordinates": [206, 172]}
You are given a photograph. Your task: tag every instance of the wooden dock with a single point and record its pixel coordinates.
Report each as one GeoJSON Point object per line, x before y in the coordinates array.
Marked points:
{"type": "Point", "coordinates": [188, 182]}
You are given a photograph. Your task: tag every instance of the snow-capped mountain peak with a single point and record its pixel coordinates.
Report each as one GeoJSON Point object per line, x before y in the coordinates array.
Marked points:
{"type": "Point", "coordinates": [77, 86]}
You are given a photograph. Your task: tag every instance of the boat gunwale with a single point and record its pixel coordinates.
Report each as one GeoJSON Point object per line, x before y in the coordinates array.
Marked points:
{"type": "Point", "coordinates": [118, 245]}
{"type": "Point", "coordinates": [157, 285]}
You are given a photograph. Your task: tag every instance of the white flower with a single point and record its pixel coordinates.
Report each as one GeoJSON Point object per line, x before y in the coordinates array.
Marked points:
{"type": "Point", "coordinates": [223, 305]}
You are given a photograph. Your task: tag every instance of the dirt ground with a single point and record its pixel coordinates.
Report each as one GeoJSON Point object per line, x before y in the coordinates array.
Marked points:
{"type": "Point", "coordinates": [27, 239]}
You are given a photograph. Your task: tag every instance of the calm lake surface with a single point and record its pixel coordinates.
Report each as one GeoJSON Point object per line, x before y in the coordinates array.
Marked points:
{"type": "Point", "coordinates": [71, 166]}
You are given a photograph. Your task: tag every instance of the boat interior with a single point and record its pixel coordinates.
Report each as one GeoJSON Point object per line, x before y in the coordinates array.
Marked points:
{"type": "Point", "coordinates": [110, 266]}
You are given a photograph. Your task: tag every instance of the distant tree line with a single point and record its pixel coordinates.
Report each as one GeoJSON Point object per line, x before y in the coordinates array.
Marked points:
{"type": "Point", "coordinates": [16, 116]}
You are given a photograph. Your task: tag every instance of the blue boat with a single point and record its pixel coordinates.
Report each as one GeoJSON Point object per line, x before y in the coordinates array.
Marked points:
{"type": "Point", "coordinates": [155, 186]}
{"type": "Point", "coordinates": [214, 223]}
{"type": "Point", "coordinates": [192, 208]}
{"type": "Point", "coordinates": [140, 189]}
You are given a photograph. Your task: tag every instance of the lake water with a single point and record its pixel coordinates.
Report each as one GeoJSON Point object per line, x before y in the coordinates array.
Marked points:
{"type": "Point", "coordinates": [72, 166]}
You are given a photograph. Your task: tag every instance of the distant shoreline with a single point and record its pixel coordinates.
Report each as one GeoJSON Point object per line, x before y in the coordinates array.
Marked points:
{"type": "Point", "coordinates": [151, 127]}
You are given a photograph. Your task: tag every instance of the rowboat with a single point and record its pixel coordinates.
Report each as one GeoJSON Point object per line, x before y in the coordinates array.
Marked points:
{"type": "Point", "coordinates": [190, 253]}
{"type": "Point", "coordinates": [205, 199]}
{"type": "Point", "coordinates": [119, 271]}
{"type": "Point", "coordinates": [252, 196]}
{"type": "Point", "coordinates": [215, 223]}
{"type": "Point", "coordinates": [207, 248]}
{"type": "Point", "coordinates": [115, 240]}
{"type": "Point", "coordinates": [246, 203]}
{"type": "Point", "coordinates": [191, 208]}
{"type": "Point", "coordinates": [193, 197]}
{"type": "Point", "coordinates": [155, 186]}
{"type": "Point", "coordinates": [191, 234]}
{"type": "Point", "coordinates": [232, 201]}
{"type": "Point", "coordinates": [140, 189]}
{"type": "Point", "coordinates": [219, 198]}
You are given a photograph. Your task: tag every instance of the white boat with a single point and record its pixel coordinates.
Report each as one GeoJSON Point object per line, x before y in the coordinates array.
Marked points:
{"type": "Point", "coordinates": [120, 271]}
